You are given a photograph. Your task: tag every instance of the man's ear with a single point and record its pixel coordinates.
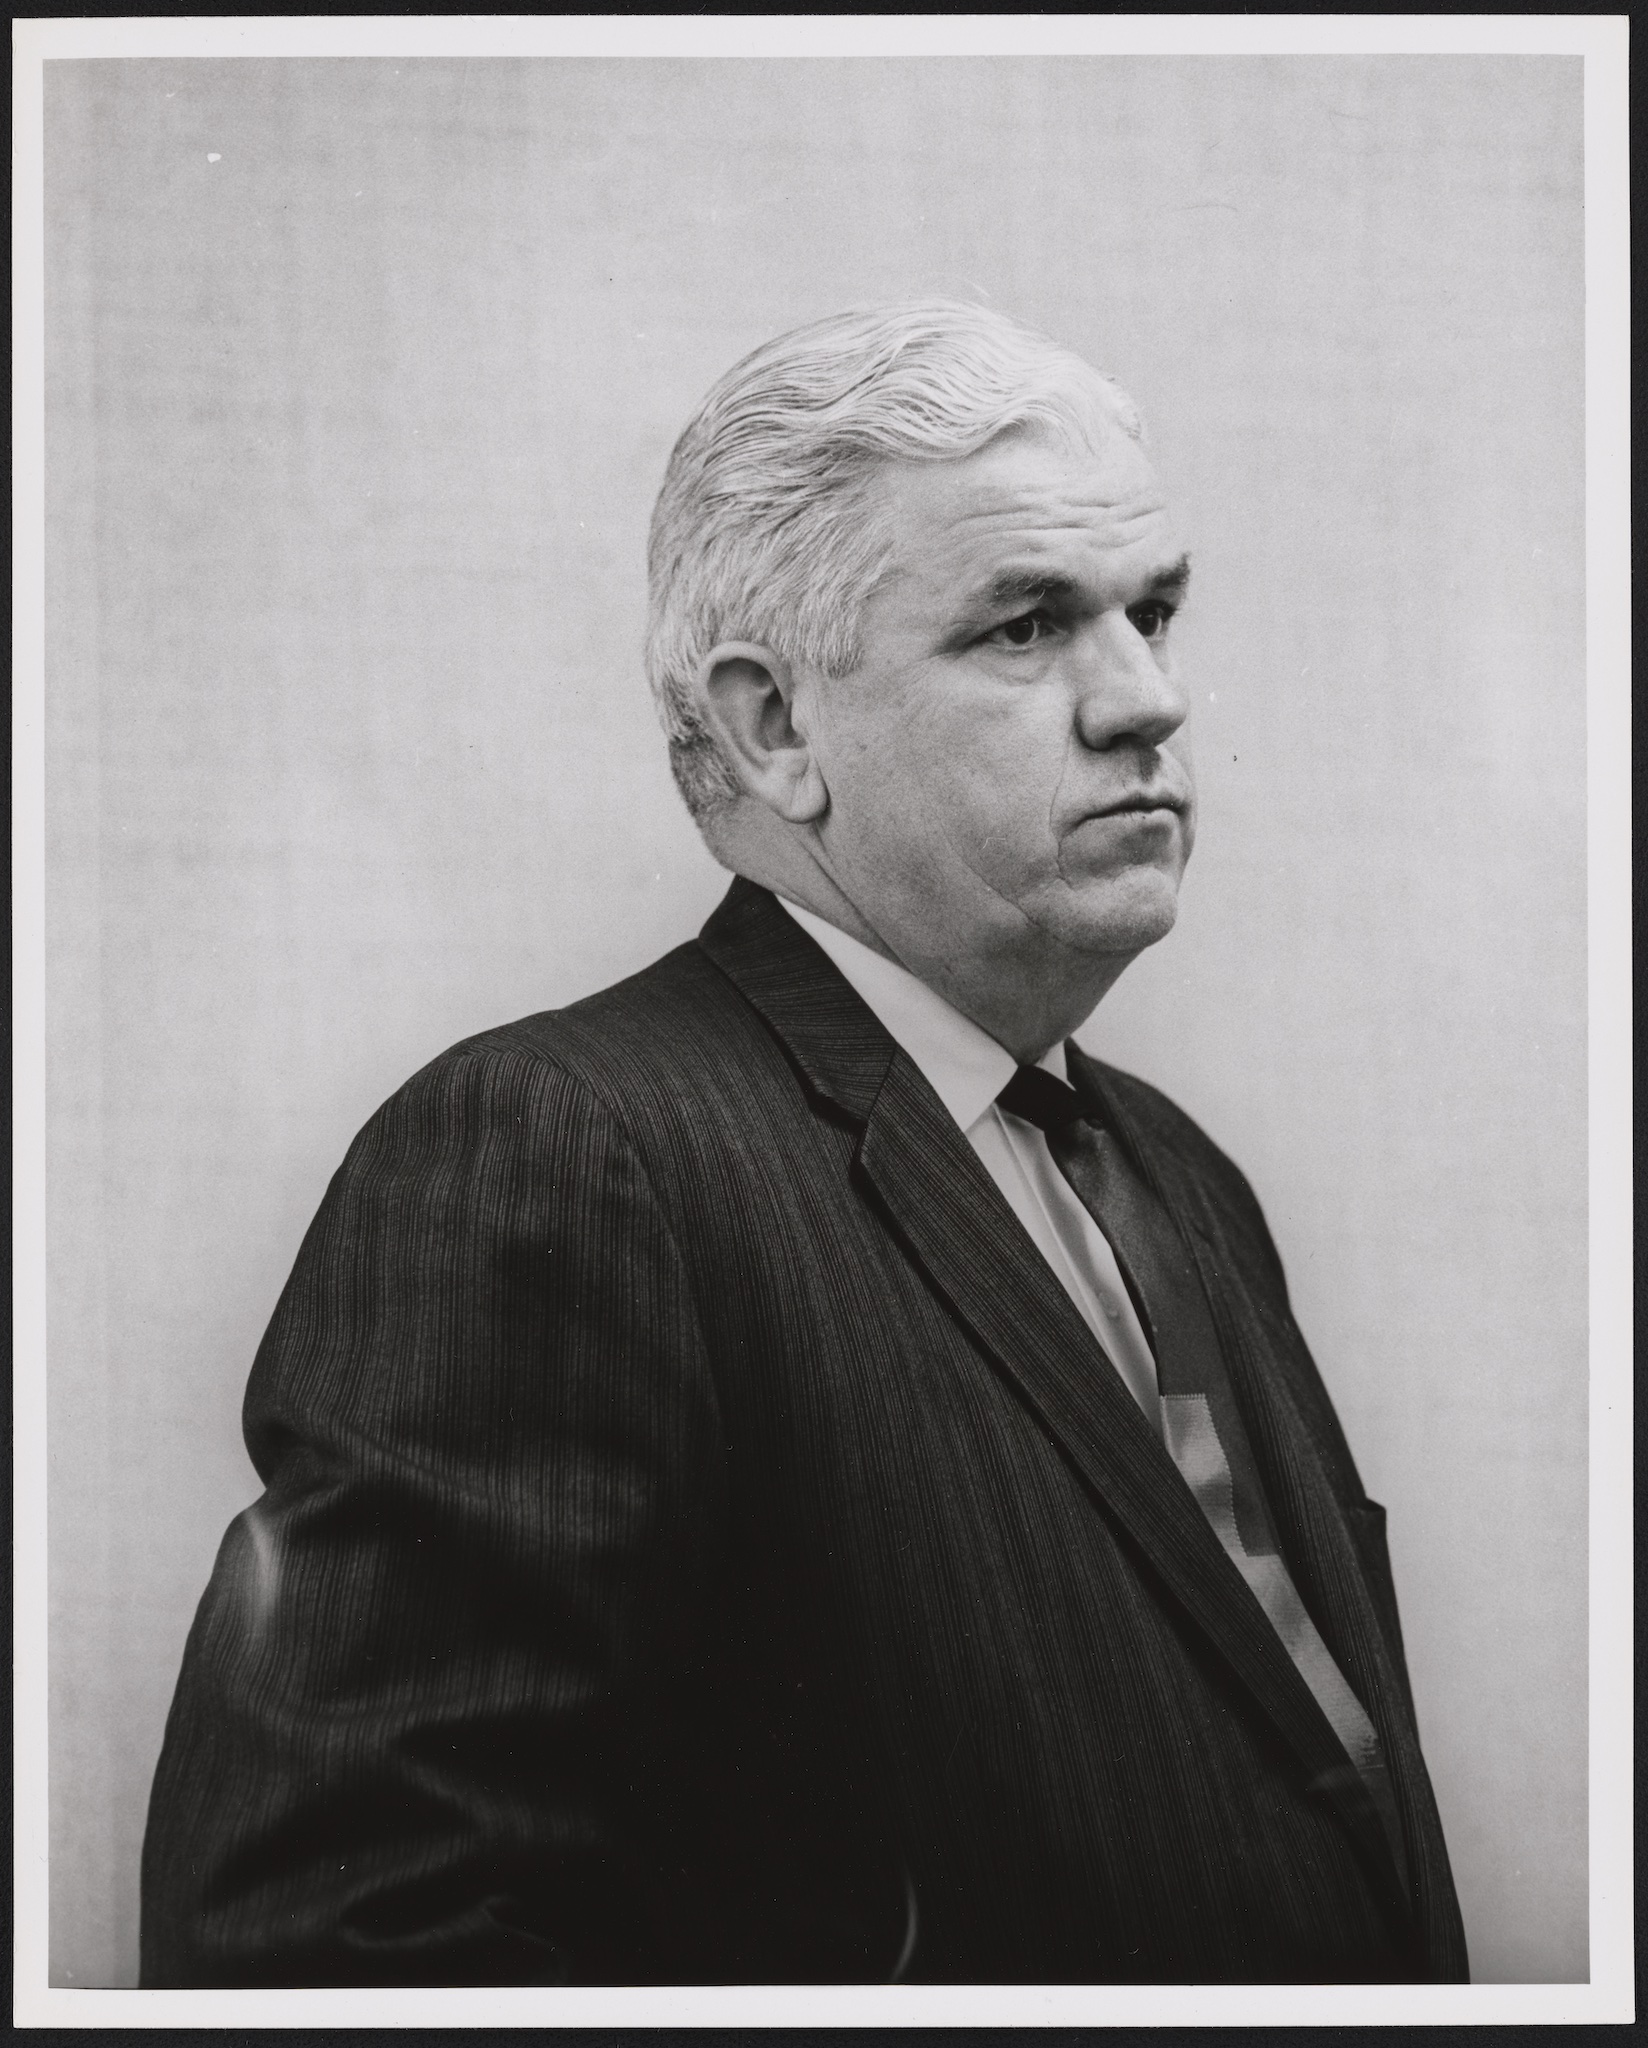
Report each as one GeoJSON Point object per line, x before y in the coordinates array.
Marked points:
{"type": "Point", "coordinates": [747, 694]}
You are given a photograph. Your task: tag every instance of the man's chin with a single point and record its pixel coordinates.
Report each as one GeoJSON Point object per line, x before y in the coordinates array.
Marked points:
{"type": "Point", "coordinates": [1123, 914]}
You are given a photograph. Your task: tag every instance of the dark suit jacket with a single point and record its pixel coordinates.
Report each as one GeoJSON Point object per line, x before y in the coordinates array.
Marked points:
{"type": "Point", "coordinates": [702, 1542]}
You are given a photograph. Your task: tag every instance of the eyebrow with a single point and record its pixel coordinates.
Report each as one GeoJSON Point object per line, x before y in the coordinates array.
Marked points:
{"type": "Point", "coordinates": [1173, 581]}
{"type": "Point", "coordinates": [1025, 586]}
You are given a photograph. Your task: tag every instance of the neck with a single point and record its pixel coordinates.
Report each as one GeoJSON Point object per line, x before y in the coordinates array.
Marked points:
{"type": "Point", "coordinates": [1027, 1001]}
{"type": "Point", "coordinates": [1029, 996]}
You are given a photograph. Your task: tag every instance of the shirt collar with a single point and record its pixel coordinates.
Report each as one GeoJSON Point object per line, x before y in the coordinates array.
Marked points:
{"type": "Point", "coordinates": [965, 1066]}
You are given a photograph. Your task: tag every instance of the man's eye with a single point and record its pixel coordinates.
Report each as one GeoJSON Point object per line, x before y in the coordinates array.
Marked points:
{"type": "Point", "coordinates": [1022, 632]}
{"type": "Point", "coordinates": [1151, 620]}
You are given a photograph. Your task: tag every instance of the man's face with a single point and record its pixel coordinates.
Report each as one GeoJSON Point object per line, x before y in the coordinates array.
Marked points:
{"type": "Point", "coordinates": [1007, 768]}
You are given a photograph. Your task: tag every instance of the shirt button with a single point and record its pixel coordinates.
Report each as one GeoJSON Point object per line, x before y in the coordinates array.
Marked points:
{"type": "Point", "coordinates": [1110, 1307]}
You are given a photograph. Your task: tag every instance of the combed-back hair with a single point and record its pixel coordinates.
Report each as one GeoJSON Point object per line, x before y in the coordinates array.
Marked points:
{"type": "Point", "coordinates": [767, 527]}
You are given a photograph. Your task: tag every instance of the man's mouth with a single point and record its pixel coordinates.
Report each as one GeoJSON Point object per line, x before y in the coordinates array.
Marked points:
{"type": "Point", "coordinates": [1144, 801]}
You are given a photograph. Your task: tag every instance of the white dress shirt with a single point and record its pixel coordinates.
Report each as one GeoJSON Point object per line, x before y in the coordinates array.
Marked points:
{"type": "Point", "coordinates": [967, 1070]}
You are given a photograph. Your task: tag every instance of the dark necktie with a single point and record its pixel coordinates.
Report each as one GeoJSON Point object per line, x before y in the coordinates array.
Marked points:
{"type": "Point", "coordinates": [1201, 1423]}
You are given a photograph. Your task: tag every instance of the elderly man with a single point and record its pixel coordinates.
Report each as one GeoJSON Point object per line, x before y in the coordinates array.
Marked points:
{"type": "Point", "coordinates": [788, 1469]}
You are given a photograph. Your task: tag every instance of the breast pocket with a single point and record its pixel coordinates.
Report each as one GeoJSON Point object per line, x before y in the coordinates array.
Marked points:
{"type": "Point", "coordinates": [1369, 1520]}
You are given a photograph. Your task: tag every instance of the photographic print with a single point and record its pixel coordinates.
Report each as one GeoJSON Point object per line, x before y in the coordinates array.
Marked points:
{"type": "Point", "coordinates": [822, 1017]}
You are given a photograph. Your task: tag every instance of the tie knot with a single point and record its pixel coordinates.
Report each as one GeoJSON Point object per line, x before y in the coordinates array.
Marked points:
{"type": "Point", "coordinates": [1042, 1099]}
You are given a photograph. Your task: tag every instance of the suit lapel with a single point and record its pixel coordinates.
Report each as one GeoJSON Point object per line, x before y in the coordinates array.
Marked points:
{"type": "Point", "coordinates": [1313, 1521]}
{"type": "Point", "coordinates": [943, 1205]}
{"type": "Point", "coordinates": [1334, 1582]}
{"type": "Point", "coordinates": [1321, 1550]}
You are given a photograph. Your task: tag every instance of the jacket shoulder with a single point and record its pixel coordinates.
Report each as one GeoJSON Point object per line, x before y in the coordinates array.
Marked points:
{"type": "Point", "coordinates": [675, 1032]}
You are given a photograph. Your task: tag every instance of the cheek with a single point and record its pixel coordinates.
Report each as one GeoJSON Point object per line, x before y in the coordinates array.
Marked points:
{"type": "Point", "coordinates": [889, 762]}
{"type": "Point", "coordinates": [1001, 775]}
{"type": "Point", "coordinates": [876, 738]}
{"type": "Point", "coordinates": [942, 767]}
{"type": "Point", "coordinates": [890, 776]}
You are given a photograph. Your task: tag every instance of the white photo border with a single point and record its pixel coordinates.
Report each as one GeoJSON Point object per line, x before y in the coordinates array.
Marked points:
{"type": "Point", "coordinates": [1602, 42]}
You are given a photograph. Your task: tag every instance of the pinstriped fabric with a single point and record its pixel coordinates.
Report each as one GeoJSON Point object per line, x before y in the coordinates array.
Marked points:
{"type": "Point", "coordinates": [697, 1545]}
{"type": "Point", "coordinates": [1198, 1450]}
{"type": "Point", "coordinates": [1332, 1536]}
{"type": "Point", "coordinates": [1202, 1424]}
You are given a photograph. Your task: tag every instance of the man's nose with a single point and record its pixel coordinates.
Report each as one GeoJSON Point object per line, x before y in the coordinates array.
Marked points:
{"type": "Point", "coordinates": [1123, 692]}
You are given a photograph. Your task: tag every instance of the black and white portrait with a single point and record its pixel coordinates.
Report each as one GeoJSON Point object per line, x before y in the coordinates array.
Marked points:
{"type": "Point", "coordinates": [818, 1065]}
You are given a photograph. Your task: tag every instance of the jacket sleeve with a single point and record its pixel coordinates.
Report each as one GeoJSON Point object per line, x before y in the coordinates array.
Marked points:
{"type": "Point", "coordinates": [435, 1659]}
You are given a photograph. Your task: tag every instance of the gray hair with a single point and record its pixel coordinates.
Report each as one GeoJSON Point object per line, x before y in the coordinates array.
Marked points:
{"type": "Point", "coordinates": [766, 528]}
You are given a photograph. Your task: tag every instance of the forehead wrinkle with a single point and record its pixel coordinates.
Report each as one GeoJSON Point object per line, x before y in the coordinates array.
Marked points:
{"type": "Point", "coordinates": [1048, 542]}
{"type": "Point", "coordinates": [1072, 510]}
{"type": "Point", "coordinates": [1056, 555]}
{"type": "Point", "coordinates": [1042, 523]}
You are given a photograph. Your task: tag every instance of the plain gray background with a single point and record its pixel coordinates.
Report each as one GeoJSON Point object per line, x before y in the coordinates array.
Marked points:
{"type": "Point", "coordinates": [361, 378]}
